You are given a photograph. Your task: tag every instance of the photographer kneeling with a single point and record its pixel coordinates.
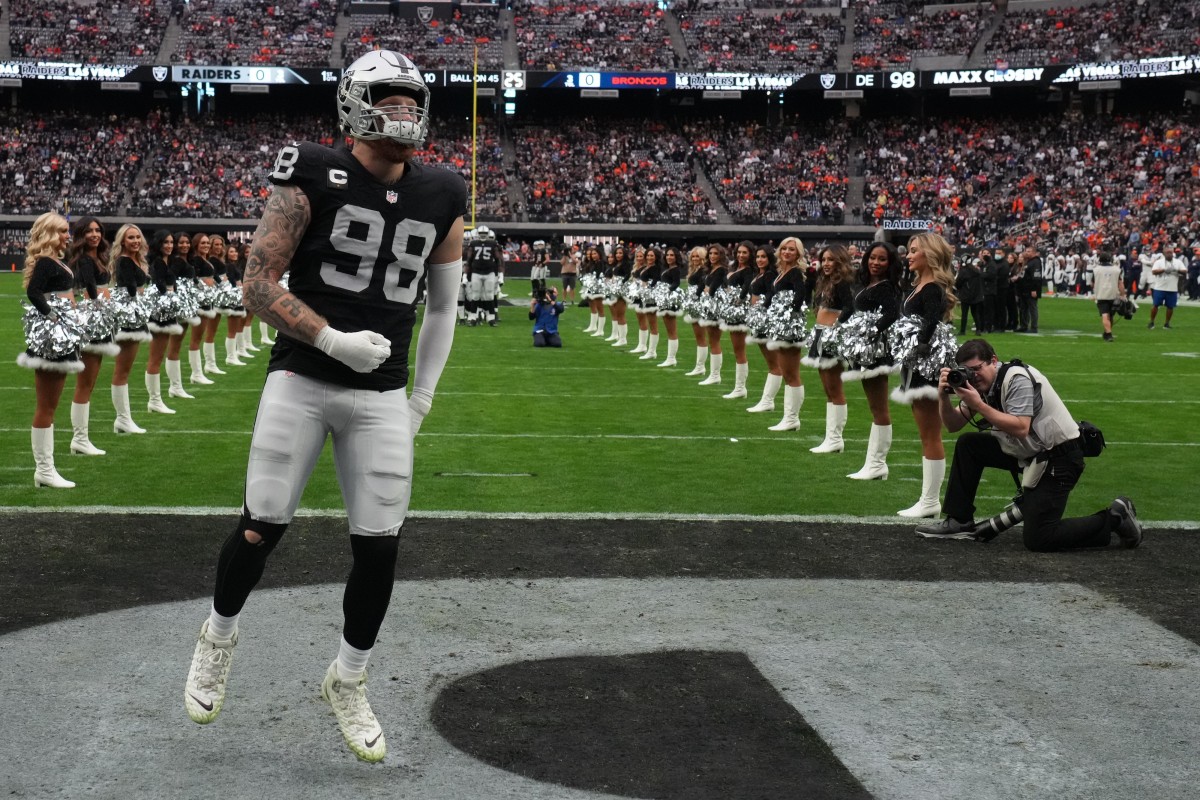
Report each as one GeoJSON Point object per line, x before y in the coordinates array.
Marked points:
{"type": "Point", "coordinates": [1024, 427]}
{"type": "Point", "coordinates": [544, 310]}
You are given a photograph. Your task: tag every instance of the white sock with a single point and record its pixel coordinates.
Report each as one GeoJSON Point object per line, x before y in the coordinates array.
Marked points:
{"type": "Point", "coordinates": [351, 662]}
{"type": "Point", "coordinates": [220, 627]}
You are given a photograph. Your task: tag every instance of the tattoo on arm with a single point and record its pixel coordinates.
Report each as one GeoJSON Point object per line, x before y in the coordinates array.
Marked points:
{"type": "Point", "coordinates": [283, 223]}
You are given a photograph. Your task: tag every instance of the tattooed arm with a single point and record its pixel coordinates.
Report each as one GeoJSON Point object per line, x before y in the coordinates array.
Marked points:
{"type": "Point", "coordinates": [283, 223]}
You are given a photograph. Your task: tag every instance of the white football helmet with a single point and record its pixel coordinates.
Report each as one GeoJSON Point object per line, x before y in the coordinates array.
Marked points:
{"type": "Point", "coordinates": [373, 77]}
{"type": "Point", "coordinates": [484, 233]}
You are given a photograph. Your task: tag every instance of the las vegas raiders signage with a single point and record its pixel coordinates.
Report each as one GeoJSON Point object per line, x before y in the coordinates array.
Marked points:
{"type": "Point", "coordinates": [13, 73]}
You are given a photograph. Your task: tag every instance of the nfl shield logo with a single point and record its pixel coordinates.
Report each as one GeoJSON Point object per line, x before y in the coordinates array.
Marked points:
{"type": "Point", "coordinates": [425, 13]}
{"type": "Point", "coordinates": [160, 74]}
{"type": "Point", "coordinates": [827, 81]}
{"type": "Point", "coordinates": [391, 196]}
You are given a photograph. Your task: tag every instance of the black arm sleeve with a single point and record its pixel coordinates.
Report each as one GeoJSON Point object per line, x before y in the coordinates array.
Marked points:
{"type": "Point", "coordinates": [671, 278]}
{"type": "Point", "coordinates": [129, 275]}
{"type": "Point", "coordinates": [85, 276]}
{"type": "Point", "coordinates": [843, 297]}
{"type": "Point", "coordinates": [930, 305]}
{"type": "Point", "coordinates": [160, 274]}
{"type": "Point", "coordinates": [43, 280]}
{"type": "Point", "coordinates": [715, 279]}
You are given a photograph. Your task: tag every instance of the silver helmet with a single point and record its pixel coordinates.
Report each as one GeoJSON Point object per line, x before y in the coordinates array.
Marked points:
{"type": "Point", "coordinates": [374, 77]}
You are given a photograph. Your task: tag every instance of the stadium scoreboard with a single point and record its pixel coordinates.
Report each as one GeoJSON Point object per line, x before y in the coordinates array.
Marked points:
{"type": "Point", "coordinates": [837, 84]}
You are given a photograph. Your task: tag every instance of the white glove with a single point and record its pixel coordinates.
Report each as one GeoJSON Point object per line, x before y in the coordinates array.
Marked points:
{"type": "Point", "coordinates": [418, 407]}
{"type": "Point", "coordinates": [361, 351]}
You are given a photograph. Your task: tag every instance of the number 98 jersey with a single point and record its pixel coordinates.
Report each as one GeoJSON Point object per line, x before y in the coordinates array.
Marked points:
{"type": "Point", "coordinates": [361, 261]}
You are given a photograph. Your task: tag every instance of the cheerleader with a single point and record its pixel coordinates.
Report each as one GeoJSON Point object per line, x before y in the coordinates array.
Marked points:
{"type": "Point", "coordinates": [47, 278]}
{"type": "Point", "coordinates": [235, 323]}
{"type": "Point", "coordinates": [933, 300]}
{"type": "Point", "coordinates": [733, 312]}
{"type": "Point", "coordinates": [87, 257]}
{"type": "Point", "coordinates": [163, 322]}
{"type": "Point", "coordinates": [649, 277]}
{"type": "Point", "coordinates": [833, 298]}
{"type": "Point", "coordinates": [609, 281]}
{"type": "Point", "coordinates": [183, 275]}
{"type": "Point", "coordinates": [127, 262]}
{"type": "Point", "coordinates": [592, 287]}
{"type": "Point", "coordinates": [671, 304]}
{"type": "Point", "coordinates": [757, 322]}
{"type": "Point", "coordinates": [880, 272]}
{"type": "Point", "coordinates": [718, 269]}
{"type": "Point", "coordinates": [697, 276]}
{"type": "Point", "coordinates": [787, 334]}
{"type": "Point", "coordinates": [204, 333]}
{"type": "Point", "coordinates": [622, 269]}
{"type": "Point", "coordinates": [634, 288]}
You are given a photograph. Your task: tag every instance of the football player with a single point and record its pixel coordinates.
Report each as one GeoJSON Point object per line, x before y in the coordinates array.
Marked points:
{"type": "Point", "coordinates": [360, 230]}
{"type": "Point", "coordinates": [483, 264]}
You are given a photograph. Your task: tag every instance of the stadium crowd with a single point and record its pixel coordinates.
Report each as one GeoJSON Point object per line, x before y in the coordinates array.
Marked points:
{"type": "Point", "coordinates": [439, 44]}
{"type": "Point", "coordinates": [624, 35]}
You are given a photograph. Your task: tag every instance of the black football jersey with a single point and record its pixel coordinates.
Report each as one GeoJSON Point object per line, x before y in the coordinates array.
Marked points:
{"type": "Point", "coordinates": [483, 258]}
{"type": "Point", "coordinates": [361, 262]}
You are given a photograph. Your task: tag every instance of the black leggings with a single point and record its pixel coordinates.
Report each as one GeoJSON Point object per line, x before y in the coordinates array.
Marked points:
{"type": "Point", "coordinates": [1042, 506]}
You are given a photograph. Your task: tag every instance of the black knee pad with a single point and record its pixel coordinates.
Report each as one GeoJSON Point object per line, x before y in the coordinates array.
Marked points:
{"type": "Point", "coordinates": [241, 563]}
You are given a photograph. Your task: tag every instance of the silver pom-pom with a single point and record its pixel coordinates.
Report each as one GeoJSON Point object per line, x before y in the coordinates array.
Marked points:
{"type": "Point", "coordinates": [591, 284]}
{"type": "Point", "coordinates": [785, 324]}
{"type": "Point", "coordinates": [859, 342]}
{"type": "Point", "coordinates": [53, 337]}
{"type": "Point", "coordinates": [902, 339]}
{"type": "Point", "coordinates": [164, 306]}
{"type": "Point", "coordinates": [731, 306]}
{"type": "Point", "coordinates": [693, 302]}
{"type": "Point", "coordinates": [667, 299]}
{"type": "Point", "coordinates": [188, 292]}
{"type": "Point", "coordinates": [227, 297]}
{"type": "Point", "coordinates": [99, 321]}
{"type": "Point", "coordinates": [129, 313]}
{"type": "Point", "coordinates": [758, 321]}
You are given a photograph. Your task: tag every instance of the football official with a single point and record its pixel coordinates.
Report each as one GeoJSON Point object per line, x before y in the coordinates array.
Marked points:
{"type": "Point", "coordinates": [359, 229]}
{"type": "Point", "coordinates": [1025, 427]}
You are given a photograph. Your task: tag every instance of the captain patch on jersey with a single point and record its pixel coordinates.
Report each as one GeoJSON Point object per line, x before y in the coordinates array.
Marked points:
{"type": "Point", "coordinates": [366, 241]}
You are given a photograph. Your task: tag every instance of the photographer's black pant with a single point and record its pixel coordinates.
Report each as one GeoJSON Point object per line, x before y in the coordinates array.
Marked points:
{"type": "Point", "coordinates": [543, 339]}
{"type": "Point", "coordinates": [1042, 506]}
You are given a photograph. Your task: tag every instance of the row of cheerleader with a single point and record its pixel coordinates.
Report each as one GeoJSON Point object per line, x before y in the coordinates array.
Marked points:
{"type": "Point", "coordinates": [90, 299]}
{"type": "Point", "coordinates": [885, 315]}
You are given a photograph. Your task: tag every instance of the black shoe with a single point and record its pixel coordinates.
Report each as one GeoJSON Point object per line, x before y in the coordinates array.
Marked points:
{"type": "Point", "coordinates": [949, 528]}
{"type": "Point", "coordinates": [1150, 326]}
{"type": "Point", "coordinates": [1129, 529]}
{"type": "Point", "coordinates": [471, 323]}
{"type": "Point", "coordinates": [1108, 337]}
{"type": "Point", "coordinates": [493, 322]}
{"type": "Point", "coordinates": [1167, 325]}
{"type": "Point", "coordinates": [1020, 330]}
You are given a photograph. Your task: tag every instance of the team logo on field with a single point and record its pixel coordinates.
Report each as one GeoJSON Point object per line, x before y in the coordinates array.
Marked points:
{"type": "Point", "coordinates": [391, 196]}
{"type": "Point", "coordinates": [425, 14]}
{"type": "Point", "coordinates": [159, 73]}
{"type": "Point", "coordinates": [827, 81]}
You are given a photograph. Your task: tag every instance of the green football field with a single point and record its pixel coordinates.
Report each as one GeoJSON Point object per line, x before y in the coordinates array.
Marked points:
{"type": "Point", "coordinates": [593, 430]}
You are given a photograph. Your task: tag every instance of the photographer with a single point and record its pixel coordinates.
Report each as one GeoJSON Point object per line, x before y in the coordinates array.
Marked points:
{"type": "Point", "coordinates": [1025, 427]}
{"type": "Point", "coordinates": [544, 310]}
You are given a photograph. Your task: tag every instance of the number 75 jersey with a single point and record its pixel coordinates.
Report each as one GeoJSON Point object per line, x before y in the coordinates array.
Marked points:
{"type": "Point", "coordinates": [361, 262]}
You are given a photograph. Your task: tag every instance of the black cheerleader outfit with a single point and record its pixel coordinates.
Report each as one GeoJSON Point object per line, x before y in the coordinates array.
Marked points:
{"type": "Point", "coordinates": [708, 308]}
{"type": "Point", "coordinates": [820, 354]}
{"type": "Point", "coordinates": [50, 279]}
{"type": "Point", "coordinates": [673, 303]}
{"type": "Point", "coordinates": [882, 297]}
{"type": "Point", "coordinates": [91, 276]}
{"type": "Point", "coordinates": [649, 276]}
{"type": "Point", "coordinates": [928, 303]}
{"type": "Point", "coordinates": [788, 327]}
{"type": "Point", "coordinates": [762, 286]}
{"type": "Point", "coordinates": [129, 279]}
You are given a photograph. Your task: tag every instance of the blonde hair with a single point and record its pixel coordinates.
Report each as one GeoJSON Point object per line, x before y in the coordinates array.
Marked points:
{"type": "Point", "coordinates": [800, 259]}
{"type": "Point", "coordinates": [43, 241]}
{"type": "Point", "coordinates": [118, 248]}
{"type": "Point", "coordinates": [939, 255]}
{"type": "Point", "coordinates": [701, 252]}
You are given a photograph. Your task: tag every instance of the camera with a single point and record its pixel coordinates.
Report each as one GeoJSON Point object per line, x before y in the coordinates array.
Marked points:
{"type": "Point", "coordinates": [544, 294]}
{"type": "Point", "coordinates": [957, 378]}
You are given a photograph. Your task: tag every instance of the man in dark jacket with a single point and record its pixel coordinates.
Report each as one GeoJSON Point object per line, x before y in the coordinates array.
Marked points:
{"type": "Point", "coordinates": [1029, 290]}
{"type": "Point", "coordinates": [968, 285]}
{"type": "Point", "coordinates": [999, 269]}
